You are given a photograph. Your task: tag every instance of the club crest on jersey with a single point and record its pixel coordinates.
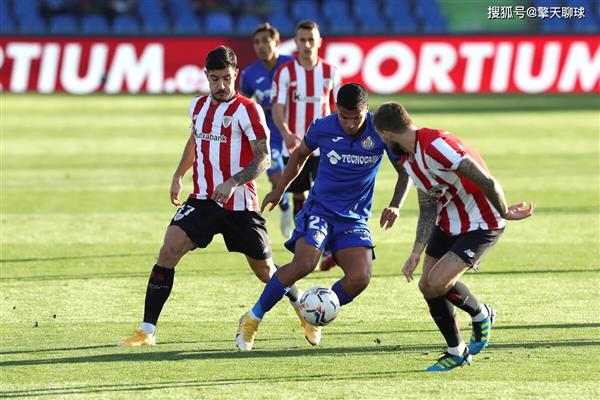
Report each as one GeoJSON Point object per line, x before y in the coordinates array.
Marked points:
{"type": "Point", "coordinates": [226, 121]}
{"type": "Point", "coordinates": [367, 143]}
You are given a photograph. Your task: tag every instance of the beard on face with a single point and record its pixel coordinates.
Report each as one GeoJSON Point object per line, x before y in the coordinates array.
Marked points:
{"type": "Point", "coordinates": [396, 149]}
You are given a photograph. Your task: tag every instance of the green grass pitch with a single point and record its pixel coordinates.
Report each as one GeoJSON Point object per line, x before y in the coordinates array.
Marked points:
{"type": "Point", "coordinates": [84, 206]}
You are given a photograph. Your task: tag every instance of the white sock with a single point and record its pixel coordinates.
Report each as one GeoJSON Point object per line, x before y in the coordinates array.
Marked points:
{"type": "Point", "coordinates": [458, 350]}
{"type": "Point", "coordinates": [148, 328]}
{"type": "Point", "coordinates": [254, 317]}
{"type": "Point", "coordinates": [483, 314]}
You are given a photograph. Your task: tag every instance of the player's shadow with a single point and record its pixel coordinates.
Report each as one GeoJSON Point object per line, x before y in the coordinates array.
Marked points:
{"type": "Point", "coordinates": [151, 355]}
{"type": "Point", "coordinates": [141, 387]}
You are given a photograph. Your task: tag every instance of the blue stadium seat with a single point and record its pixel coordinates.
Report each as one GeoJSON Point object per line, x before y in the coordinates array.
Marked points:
{"type": "Point", "coordinates": [335, 9]}
{"type": "Point", "coordinates": [26, 8]}
{"type": "Point", "coordinates": [150, 8]}
{"type": "Point", "coordinates": [555, 25]}
{"type": "Point", "coordinates": [180, 9]}
{"type": "Point", "coordinates": [156, 25]}
{"type": "Point", "coordinates": [32, 24]}
{"type": "Point", "coordinates": [95, 24]}
{"type": "Point", "coordinates": [218, 23]}
{"type": "Point", "coordinates": [371, 28]}
{"type": "Point", "coordinates": [404, 25]}
{"type": "Point", "coordinates": [7, 23]}
{"type": "Point", "coordinates": [588, 24]}
{"type": "Point", "coordinates": [246, 24]}
{"type": "Point", "coordinates": [283, 23]}
{"type": "Point", "coordinates": [366, 11]}
{"type": "Point", "coordinates": [63, 24]}
{"type": "Point", "coordinates": [426, 9]}
{"type": "Point", "coordinates": [435, 23]}
{"type": "Point", "coordinates": [187, 25]}
{"type": "Point", "coordinates": [4, 8]}
{"type": "Point", "coordinates": [342, 26]}
{"type": "Point", "coordinates": [59, 4]}
{"type": "Point", "coordinates": [126, 25]}
{"type": "Point", "coordinates": [396, 9]}
{"type": "Point", "coordinates": [305, 9]}
{"type": "Point", "coordinates": [278, 7]}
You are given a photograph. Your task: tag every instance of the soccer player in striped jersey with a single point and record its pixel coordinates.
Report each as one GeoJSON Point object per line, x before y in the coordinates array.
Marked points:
{"type": "Point", "coordinates": [257, 81]}
{"type": "Point", "coordinates": [462, 213]}
{"type": "Point", "coordinates": [336, 211]}
{"type": "Point", "coordinates": [304, 89]}
{"type": "Point", "coordinates": [227, 150]}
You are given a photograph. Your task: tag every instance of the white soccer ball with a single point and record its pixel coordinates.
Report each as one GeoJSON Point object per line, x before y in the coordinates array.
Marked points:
{"type": "Point", "coordinates": [319, 306]}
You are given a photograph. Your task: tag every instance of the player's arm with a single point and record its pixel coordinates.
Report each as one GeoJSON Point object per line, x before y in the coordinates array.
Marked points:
{"type": "Point", "coordinates": [291, 141]}
{"type": "Point", "coordinates": [492, 190]}
{"type": "Point", "coordinates": [259, 164]}
{"type": "Point", "coordinates": [186, 162]}
{"type": "Point", "coordinates": [425, 226]}
{"type": "Point", "coordinates": [290, 172]}
{"type": "Point", "coordinates": [391, 212]}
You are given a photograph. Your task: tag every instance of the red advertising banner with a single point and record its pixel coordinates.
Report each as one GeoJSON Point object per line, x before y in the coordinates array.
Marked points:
{"type": "Point", "coordinates": [383, 64]}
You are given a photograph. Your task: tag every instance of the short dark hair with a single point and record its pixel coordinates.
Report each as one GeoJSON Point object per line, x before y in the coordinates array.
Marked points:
{"type": "Point", "coordinates": [221, 57]}
{"type": "Point", "coordinates": [307, 24]}
{"type": "Point", "coordinates": [352, 96]}
{"type": "Point", "coordinates": [391, 117]}
{"type": "Point", "coordinates": [267, 27]}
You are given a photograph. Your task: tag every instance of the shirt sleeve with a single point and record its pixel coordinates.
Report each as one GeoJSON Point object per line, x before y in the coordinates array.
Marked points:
{"type": "Point", "coordinates": [245, 85]}
{"type": "Point", "coordinates": [252, 121]}
{"type": "Point", "coordinates": [191, 111]}
{"type": "Point", "coordinates": [312, 136]}
{"type": "Point", "coordinates": [447, 152]}
{"type": "Point", "coordinates": [281, 84]}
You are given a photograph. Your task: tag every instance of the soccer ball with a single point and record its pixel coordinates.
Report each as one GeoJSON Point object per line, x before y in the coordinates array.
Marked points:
{"type": "Point", "coordinates": [319, 306]}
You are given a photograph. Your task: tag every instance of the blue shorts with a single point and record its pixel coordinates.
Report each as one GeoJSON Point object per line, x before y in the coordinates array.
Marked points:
{"type": "Point", "coordinates": [320, 228]}
{"type": "Point", "coordinates": [276, 161]}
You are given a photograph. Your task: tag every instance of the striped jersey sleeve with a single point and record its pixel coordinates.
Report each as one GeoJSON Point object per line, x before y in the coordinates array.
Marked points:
{"type": "Point", "coordinates": [447, 152]}
{"type": "Point", "coordinates": [281, 84]}
{"type": "Point", "coordinates": [253, 122]}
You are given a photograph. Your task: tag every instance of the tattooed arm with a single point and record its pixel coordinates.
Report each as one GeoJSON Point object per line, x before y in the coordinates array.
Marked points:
{"type": "Point", "coordinates": [425, 225]}
{"type": "Point", "coordinates": [259, 164]}
{"type": "Point", "coordinates": [486, 182]}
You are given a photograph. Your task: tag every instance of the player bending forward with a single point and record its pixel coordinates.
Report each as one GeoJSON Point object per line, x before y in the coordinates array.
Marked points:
{"type": "Point", "coordinates": [336, 211]}
{"type": "Point", "coordinates": [462, 213]}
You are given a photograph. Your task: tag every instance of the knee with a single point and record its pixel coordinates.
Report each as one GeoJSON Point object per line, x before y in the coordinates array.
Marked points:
{"type": "Point", "coordinates": [360, 280]}
{"type": "Point", "coordinates": [168, 253]}
{"type": "Point", "coordinates": [303, 267]}
{"type": "Point", "coordinates": [436, 287]}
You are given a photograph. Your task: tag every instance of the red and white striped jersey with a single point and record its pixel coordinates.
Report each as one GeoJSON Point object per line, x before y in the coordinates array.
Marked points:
{"type": "Point", "coordinates": [462, 206]}
{"type": "Point", "coordinates": [307, 94]}
{"type": "Point", "coordinates": [223, 132]}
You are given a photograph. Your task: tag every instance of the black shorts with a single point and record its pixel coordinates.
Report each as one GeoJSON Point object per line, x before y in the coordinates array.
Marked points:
{"type": "Point", "coordinates": [307, 176]}
{"type": "Point", "coordinates": [470, 246]}
{"type": "Point", "coordinates": [244, 231]}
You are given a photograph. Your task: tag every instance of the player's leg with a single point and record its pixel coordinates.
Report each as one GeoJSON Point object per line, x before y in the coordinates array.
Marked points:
{"type": "Point", "coordinates": [356, 262]}
{"type": "Point", "coordinates": [274, 174]}
{"type": "Point", "coordinates": [264, 270]}
{"type": "Point", "coordinates": [176, 243]}
{"type": "Point", "coordinates": [440, 278]}
{"type": "Point", "coordinates": [304, 262]}
{"type": "Point", "coordinates": [471, 247]}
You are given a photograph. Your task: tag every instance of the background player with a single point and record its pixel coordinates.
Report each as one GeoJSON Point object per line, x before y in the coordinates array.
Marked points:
{"type": "Point", "coordinates": [304, 90]}
{"type": "Point", "coordinates": [257, 81]}
{"type": "Point", "coordinates": [462, 214]}
{"type": "Point", "coordinates": [228, 149]}
{"type": "Point", "coordinates": [337, 208]}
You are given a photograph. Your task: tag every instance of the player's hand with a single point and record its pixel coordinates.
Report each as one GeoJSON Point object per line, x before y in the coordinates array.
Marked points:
{"type": "Point", "coordinates": [292, 142]}
{"type": "Point", "coordinates": [388, 217]}
{"type": "Point", "coordinates": [520, 211]}
{"type": "Point", "coordinates": [223, 191]}
{"type": "Point", "coordinates": [272, 198]}
{"type": "Point", "coordinates": [410, 265]}
{"type": "Point", "coordinates": [175, 191]}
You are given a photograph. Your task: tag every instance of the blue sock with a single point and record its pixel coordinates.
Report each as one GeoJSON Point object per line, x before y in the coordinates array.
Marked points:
{"type": "Point", "coordinates": [341, 294]}
{"type": "Point", "coordinates": [272, 293]}
{"type": "Point", "coordinates": [284, 204]}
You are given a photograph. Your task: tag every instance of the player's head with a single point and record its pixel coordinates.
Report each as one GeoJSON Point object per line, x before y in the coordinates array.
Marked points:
{"type": "Point", "coordinates": [265, 40]}
{"type": "Point", "coordinates": [221, 71]}
{"type": "Point", "coordinates": [308, 39]}
{"type": "Point", "coordinates": [352, 105]}
{"type": "Point", "coordinates": [392, 121]}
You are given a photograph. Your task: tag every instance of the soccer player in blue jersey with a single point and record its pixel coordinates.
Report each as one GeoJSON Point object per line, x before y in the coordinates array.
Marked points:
{"type": "Point", "coordinates": [257, 82]}
{"type": "Point", "coordinates": [336, 211]}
